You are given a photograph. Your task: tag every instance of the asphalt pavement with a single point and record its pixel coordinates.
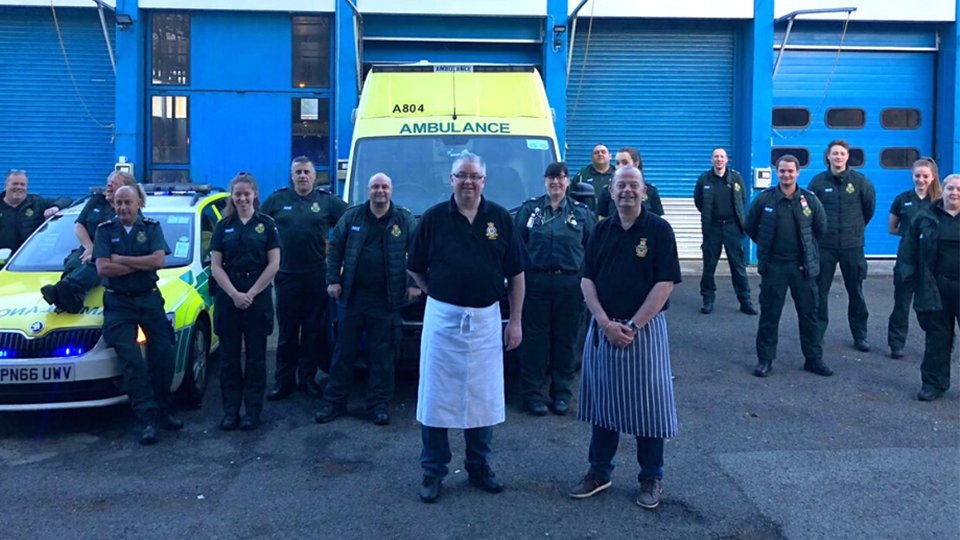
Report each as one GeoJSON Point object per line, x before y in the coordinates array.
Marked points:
{"type": "Point", "coordinates": [793, 456]}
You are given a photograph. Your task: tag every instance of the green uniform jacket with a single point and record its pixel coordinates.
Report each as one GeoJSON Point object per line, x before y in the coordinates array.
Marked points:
{"type": "Point", "coordinates": [18, 223]}
{"type": "Point", "coordinates": [349, 237]}
{"type": "Point", "coordinates": [703, 198]}
{"type": "Point", "coordinates": [919, 253]}
{"type": "Point", "coordinates": [761, 226]}
{"type": "Point", "coordinates": [555, 241]}
{"type": "Point", "coordinates": [849, 201]}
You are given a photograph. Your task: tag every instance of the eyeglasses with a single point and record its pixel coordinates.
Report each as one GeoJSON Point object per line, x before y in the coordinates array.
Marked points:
{"type": "Point", "coordinates": [476, 177]}
{"type": "Point", "coordinates": [559, 178]}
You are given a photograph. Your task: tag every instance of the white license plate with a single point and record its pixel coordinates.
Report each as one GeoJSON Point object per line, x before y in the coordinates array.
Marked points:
{"type": "Point", "coordinates": [37, 374]}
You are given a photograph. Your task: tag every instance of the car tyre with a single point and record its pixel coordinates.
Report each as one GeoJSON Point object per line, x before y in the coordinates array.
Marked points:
{"type": "Point", "coordinates": [194, 384]}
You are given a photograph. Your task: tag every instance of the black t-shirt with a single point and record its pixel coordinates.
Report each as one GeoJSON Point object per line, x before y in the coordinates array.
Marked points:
{"type": "Point", "coordinates": [466, 264]}
{"type": "Point", "coordinates": [244, 246]}
{"type": "Point", "coordinates": [370, 279]}
{"type": "Point", "coordinates": [304, 223]}
{"type": "Point", "coordinates": [786, 248]}
{"type": "Point", "coordinates": [948, 245]}
{"type": "Point", "coordinates": [626, 264]}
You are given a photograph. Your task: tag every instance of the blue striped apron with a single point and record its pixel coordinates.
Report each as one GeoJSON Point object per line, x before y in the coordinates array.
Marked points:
{"type": "Point", "coordinates": [629, 390]}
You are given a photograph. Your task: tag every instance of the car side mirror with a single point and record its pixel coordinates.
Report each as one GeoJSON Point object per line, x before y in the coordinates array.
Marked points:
{"type": "Point", "coordinates": [585, 193]}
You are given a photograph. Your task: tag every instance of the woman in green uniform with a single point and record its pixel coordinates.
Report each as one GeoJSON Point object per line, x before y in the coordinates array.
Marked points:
{"type": "Point", "coordinates": [245, 255]}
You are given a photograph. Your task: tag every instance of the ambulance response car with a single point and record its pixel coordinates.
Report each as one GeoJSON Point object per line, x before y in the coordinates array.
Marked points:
{"type": "Point", "coordinates": [51, 360]}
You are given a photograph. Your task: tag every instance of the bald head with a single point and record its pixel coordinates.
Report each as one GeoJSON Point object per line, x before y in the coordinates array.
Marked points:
{"type": "Point", "coordinates": [380, 193]}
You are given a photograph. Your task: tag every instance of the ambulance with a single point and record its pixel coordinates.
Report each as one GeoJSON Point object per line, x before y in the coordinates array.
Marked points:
{"type": "Point", "coordinates": [414, 120]}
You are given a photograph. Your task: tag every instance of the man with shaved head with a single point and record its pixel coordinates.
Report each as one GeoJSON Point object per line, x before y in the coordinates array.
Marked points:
{"type": "Point", "coordinates": [366, 274]}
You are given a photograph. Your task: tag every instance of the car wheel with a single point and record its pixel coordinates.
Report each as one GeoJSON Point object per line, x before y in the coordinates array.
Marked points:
{"type": "Point", "coordinates": [194, 384]}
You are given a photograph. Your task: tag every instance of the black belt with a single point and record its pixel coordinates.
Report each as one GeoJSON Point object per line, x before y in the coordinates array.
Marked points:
{"type": "Point", "coordinates": [556, 272]}
{"type": "Point", "coordinates": [724, 221]}
{"type": "Point", "coordinates": [131, 293]}
{"type": "Point", "coordinates": [243, 275]}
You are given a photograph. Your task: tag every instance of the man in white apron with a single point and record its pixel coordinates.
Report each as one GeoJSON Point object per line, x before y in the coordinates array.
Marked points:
{"type": "Point", "coordinates": [629, 271]}
{"type": "Point", "coordinates": [463, 252]}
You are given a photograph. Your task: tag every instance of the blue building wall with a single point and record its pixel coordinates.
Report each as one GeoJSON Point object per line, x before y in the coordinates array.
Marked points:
{"type": "Point", "coordinates": [948, 96]}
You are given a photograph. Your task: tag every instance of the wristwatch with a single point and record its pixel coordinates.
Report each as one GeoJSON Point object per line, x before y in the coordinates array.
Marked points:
{"type": "Point", "coordinates": [633, 326]}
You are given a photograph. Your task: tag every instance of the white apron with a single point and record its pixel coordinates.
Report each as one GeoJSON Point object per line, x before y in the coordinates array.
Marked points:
{"type": "Point", "coordinates": [461, 367]}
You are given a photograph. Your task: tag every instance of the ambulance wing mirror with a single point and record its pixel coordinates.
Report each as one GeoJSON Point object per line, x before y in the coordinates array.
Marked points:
{"type": "Point", "coordinates": [585, 193]}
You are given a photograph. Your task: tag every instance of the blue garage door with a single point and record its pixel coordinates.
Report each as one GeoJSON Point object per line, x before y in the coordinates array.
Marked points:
{"type": "Point", "coordinates": [665, 87]}
{"type": "Point", "coordinates": [881, 102]}
{"type": "Point", "coordinates": [56, 120]}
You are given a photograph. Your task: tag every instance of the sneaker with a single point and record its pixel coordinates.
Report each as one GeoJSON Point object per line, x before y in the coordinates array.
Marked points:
{"type": "Point", "coordinates": [589, 486]}
{"type": "Point", "coordinates": [651, 490]}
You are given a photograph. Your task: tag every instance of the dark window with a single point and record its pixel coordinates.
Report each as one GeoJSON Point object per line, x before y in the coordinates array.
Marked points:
{"type": "Point", "coordinates": [846, 118]}
{"type": "Point", "coordinates": [311, 131]}
{"type": "Point", "coordinates": [856, 158]}
{"type": "Point", "coordinates": [900, 118]}
{"type": "Point", "coordinates": [170, 129]}
{"type": "Point", "coordinates": [801, 154]}
{"type": "Point", "coordinates": [171, 49]}
{"type": "Point", "coordinates": [791, 117]}
{"type": "Point", "coordinates": [898, 158]}
{"type": "Point", "coordinates": [169, 176]}
{"type": "Point", "coordinates": [311, 52]}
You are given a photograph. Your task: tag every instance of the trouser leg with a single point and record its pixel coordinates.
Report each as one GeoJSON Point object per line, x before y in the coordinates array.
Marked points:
{"type": "Point", "coordinates": [805, 297]}
{"type": "Point", "coordinates": [383, 333]}
{"type": "Point", "coordinates": [289, 306]}
{"type": "Point", "coordinates": [650, 458]}
{"type": "Point", "coordinates": [603, 446]}
{"type": "Point", "coordinates": [435, 454]}
{"type": "Point", "coordinates": [712, 244]}
{"type": "Point", "coordinates": [938, 343]}
{"type": "Point", "coordinates": [231, 345]}
{"type": "Point", "coordinates": [160, 352]}
{"type": "Point", "coordinates": [535, 347]}
{"type": "Point", "coordinates": [773, 293]}
{"type": "Point", "coordinates": [564, 319]}
{"type": "Point", "coordinates": [478, 451]}
{"type": "Point", "coordinates": [733, 244]}
{"type": "Point", "coordinates": [898, 324]}
{"type": "Point", "coordinates": [255, 341]}
{"type": "Point", "coordinates": [853, 267]}
{"type": "Point", "coordinates": [341, 366]}
{"type": "Point", "coordinates": [828, 267]}
{"type": "Point", "coordinates": [120, 332]}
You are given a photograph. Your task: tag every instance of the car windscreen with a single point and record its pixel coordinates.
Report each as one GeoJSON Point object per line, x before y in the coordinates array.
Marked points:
{"type": "Point", "coordinates": [420, 167]}
{"type": "Point", "coordinates": [46, 250]}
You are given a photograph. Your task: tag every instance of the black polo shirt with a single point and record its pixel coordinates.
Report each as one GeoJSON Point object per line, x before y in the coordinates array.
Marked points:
{"type": "Point", "coordinates": [466, 264]}
{"type": "Point", "coordinates": [370, 279]}
{"type": "Point", "coordinates": [786, 248]}
{"type": "Point", "coordinates": [304, 223]}
{"type": "Point", "coordinates": [145, 238]}
{"type": "Point", "coordinates": [244, 246]}
{"type": "Point", "coordinates": [626, 264]}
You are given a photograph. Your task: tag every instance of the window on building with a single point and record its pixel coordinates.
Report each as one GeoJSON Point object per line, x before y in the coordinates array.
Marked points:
{"type": "Point", "coordinates": [170, 176]}
{"type": "Point", "coordinates": [898, 158]}
{"type": "Point", "coordinates": [791, 117]}
{"type": "Point", "coordinates": [311, 133]}
{"type": "Point", "coordinates": [171, 49]}
{"type": "Point", "coordinates": [844, 117]}
{"type": "Point", "coordinates": [857, 158]}
{"type": "Point", "coordinates": [802, 154]}
{"type": "Point", "coordinates": [900, 118]}
{"type": "Point", "coordinates": [311, 52]}
{"type": "Point", "coordinates": [170, 129]}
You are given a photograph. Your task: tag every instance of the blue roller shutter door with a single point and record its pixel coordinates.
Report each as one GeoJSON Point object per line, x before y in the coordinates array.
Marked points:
{"type": "Point", "coordinates": [61, 134]}
{"type": "Point", "coordinates": [665, 87]}
{"type": "Point", "coordinates": [874, 82]}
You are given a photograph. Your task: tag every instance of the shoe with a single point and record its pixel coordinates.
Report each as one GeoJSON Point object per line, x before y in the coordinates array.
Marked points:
{"type": "Point", "coordinates": [230, 422]}
{"type": "Point", "coordinates": [148, 436]}
{"type": "Point", "coordinates": [328, 412]}
{"type": "Point", "coordinates": [861, 345]}
{"type": "Point", "coordinates": [250, 422]}
{"type": "Point", "coordinates": [380, 416]}
{"type": "Point", "coordinates": [430, 489]}
{"type": "Point", "coordinates": [707, 307]}
{"type": "Point", "coordinates": [487, 481]}
{"type": "Point", "coordinates": [747, 307]}
{"type": "Point", "coordinates": [929, 394]}
{"type": "Point", "coordinates": [535, 408]}
{"type": "Point", "coordinates": [763, 369]}
{"type": "Point", "coordinates": [817, 367]}
{"type": "Point", "coordinates": [49, 293]}
{"type": "Point", "coordinates": [651, 490]}
{"type": "Point", "coordinates": [896, 354]}
{"type": "Point", "coordinates": [560, 407]}
{"type": "Point", "coordinates": [588, 487]}
{"type": "Point", "coordinates": [280, 392]}
{"type": "Point", "coordinates": [169, 422]}
{"type": "Point", "coordinates": [311, 388]}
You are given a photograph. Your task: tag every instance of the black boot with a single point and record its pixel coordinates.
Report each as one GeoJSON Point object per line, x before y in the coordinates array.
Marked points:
{"type": "Point", "coordinates": [69, 297]}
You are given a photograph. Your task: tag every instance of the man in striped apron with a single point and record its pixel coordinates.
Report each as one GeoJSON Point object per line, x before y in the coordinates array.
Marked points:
{"type": "Point", "coordinates": [463, 252]}
{"type": "Point", "coordinates": [629, 271]}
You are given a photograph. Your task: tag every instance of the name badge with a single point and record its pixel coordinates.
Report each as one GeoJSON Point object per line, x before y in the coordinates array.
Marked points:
{"type": "Point", "coordinates": [707, 187]}
{"type": "Point", "coordinates": [768, 209]}
{"type": "Point", "coordinates": [828, 190]}
{"type": "Point", "coordinates": [230, 230]}
{"type": "Point", "coordinates": [288, 208]}
{"type": "Point", "coordinates": [908, 204]}
{"type": "Point", "coordinates": [355, 228]}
